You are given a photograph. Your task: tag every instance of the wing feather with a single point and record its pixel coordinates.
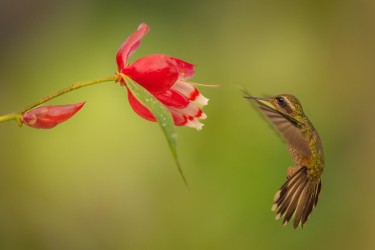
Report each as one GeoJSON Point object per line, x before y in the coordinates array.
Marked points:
{"type": "Point", "coordinates": [287, 127]}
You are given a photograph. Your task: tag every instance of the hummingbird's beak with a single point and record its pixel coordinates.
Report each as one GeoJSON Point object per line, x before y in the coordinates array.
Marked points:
{"type": "Point", "coordinates": [262, 100]}
{"type": "Point", "coordinates": [256, 98]}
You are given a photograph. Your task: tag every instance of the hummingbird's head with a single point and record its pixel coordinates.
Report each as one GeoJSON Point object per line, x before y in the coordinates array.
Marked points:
{"type": "Point", "coordinates": [286, 104]}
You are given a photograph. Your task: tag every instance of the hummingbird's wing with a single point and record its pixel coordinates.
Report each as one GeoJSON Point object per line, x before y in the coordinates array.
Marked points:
{"type": "Point", "coordinates": [288, 128]}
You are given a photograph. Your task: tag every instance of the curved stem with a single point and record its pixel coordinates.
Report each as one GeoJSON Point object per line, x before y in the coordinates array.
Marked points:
{"type": "Point", "coordinates": [66, 90]}
{"type": "Point", "coordinates": [16, 116]}
{"type": "Point", "coordinates": [9, 117]}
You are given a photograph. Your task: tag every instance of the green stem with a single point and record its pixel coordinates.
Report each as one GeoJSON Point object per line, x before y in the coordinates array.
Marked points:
{"type": "Point", "coordinates": [9, 117]}
{"type": "Point", "coordinates": [16, 116]}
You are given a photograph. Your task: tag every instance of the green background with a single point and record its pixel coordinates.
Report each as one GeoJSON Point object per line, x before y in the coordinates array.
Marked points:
{"type": "Point", "coordinates": [106, 179]}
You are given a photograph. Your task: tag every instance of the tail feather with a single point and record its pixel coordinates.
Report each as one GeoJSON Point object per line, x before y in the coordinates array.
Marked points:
{"type": "Point", "coordinates": [301, 208]}
{"type": "Point", "coordinates": [298, 196]}
{"type": "Point", "coordinates": [318, 192]}
{"type": "Point", "coordinates": [294, 202]}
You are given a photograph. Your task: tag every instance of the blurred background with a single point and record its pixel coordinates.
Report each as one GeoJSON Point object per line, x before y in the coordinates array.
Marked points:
{"type": "Point", "coordinates": [106, 179]}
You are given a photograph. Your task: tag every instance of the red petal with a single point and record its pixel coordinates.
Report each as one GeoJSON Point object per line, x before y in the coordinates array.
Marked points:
{"type": "Point", "coordinates": [184, 69]}
{"type": "Point", "coordinates": [156, 73]}
{"type": "Point", "coordinates": [138, 108]}
{"type": "Point", "coordinates": [178, 118]}
{"type": "Point", "coordinates": [130, 45]}
{"type": "Point", "coordinates": [173, 98]}
{"type": "Point", "coordinates": [50, 116]}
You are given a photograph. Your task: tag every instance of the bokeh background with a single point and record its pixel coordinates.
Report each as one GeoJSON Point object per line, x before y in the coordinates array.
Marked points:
{"type": "Point", "coordinates": [106, 180]}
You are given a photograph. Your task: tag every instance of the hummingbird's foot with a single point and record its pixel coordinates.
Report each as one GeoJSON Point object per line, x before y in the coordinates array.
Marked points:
{"type": "Point", "coordinates": [291, 171]}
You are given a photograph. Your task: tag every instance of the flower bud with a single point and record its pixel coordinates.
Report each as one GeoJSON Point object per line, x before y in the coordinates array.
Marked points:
{"type": "Point", "coordinates": [50, 116]}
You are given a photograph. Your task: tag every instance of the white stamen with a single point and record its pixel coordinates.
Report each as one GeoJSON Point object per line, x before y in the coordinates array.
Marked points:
{"type": "Point", "coordinates": [206, 85]}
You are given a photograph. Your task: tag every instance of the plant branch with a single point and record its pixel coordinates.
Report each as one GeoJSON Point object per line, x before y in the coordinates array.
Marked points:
{"type": "Point", "coordinates": [16, 116]}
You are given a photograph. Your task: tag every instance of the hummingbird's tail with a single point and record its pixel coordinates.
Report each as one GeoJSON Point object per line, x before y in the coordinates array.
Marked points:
{"type": "Point", "coordinates": [298, 196]}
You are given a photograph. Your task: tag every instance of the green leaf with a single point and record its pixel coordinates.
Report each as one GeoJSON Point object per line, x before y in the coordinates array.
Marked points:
{"type": "Point", "coordinates": [162, 115]}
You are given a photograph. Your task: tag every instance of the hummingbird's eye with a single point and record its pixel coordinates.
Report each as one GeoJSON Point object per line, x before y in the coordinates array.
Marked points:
{"type": "Point", "coordinates": [280, 101]}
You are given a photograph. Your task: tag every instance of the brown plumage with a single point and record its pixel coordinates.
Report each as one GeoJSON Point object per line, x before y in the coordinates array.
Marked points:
{"type": "Point", "coordinates": [299, 195]}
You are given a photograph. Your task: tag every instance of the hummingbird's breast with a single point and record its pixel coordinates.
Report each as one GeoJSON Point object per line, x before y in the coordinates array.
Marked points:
{"type": "Point", "coordinates": [299, 159]}
{"type": "Point", "coordinates": [314, 163]}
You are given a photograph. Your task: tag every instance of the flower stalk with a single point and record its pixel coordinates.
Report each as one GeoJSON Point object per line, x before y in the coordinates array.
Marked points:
{"type": "Point", "coordinates": [17, 115]}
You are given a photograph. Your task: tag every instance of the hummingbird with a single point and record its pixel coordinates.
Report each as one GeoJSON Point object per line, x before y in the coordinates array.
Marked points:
{"type": "Point", "coordinates": [299, 194]}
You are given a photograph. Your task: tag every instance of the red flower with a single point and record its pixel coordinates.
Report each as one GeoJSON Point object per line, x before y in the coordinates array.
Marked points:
{"type": "Point", "coordinates": [164, 77]}
{"type": "Point", "coordinates": [50, 116]}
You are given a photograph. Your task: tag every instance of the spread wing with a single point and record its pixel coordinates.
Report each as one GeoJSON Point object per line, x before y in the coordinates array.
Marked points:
{"type": "Point", "coordinates": [288, 128]}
